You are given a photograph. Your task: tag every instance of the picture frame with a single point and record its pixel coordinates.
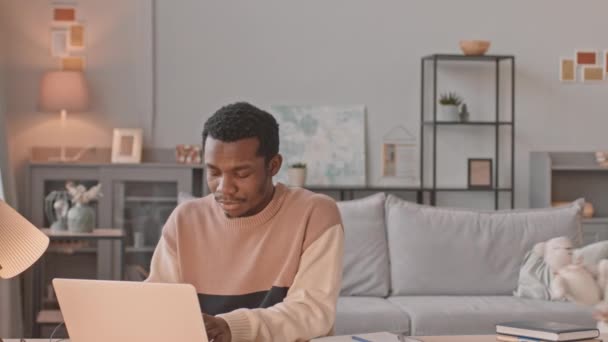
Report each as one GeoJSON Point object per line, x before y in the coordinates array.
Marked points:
{"type": "Point", "coordinates": [586, 57]}
{"type": "Point", "coordinates": [63, 14]}
{"type": "Point", "coordinates": [127, 145]}
{"type": "Point", "coordinates": [59, 42]}
{"type": "Point", "coordinates": [567, 70]}
{"type": "Point", "coordinates": [480, 173]}
{"type": "Point", "coordinates": [73, 63]}
{"type": "Point", "coordinates": [77, 37]}
{"type": "Point", "coordinates": [593, 73]}
{"type": "Point", "coordinates": [606, 62]}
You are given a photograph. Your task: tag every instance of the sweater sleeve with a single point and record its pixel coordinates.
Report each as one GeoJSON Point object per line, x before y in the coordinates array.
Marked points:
{"type": "Point", "coordinates": [164, 267]}
{"type": "Point", "coordinates": [309, 309]}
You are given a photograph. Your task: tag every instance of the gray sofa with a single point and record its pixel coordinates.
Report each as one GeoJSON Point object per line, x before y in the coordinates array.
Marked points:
{"type": "Point", "coordinates": [423, 270]}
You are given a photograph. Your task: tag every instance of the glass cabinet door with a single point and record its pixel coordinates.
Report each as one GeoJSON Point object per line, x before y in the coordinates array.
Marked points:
{"type": "Point", "coordinates": [141, 209]}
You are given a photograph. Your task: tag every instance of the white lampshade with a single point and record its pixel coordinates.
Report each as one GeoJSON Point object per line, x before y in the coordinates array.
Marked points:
{"type": "Point", "coordinates": [21, 244]}
{"type": "Point", "coordinates": [63, 90]}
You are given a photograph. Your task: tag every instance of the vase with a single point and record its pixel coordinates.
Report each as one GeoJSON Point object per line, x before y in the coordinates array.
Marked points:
{"type": "Point", "coordinates": [81, 219]}
{"type": "Point", "coordinates": [448, 113]}
{"type": "Point", "coordinates": [296, 176]}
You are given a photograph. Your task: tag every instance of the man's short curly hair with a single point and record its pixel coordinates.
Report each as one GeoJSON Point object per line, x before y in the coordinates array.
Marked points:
{"type": "Point", "coordinates": [242, 120]}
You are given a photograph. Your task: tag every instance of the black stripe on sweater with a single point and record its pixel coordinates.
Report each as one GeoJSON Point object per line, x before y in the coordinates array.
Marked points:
{"type": "Point", "coordinates": [216, 304]}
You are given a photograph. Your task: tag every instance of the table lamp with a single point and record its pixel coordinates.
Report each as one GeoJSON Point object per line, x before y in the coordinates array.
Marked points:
{"type": "Point", "coordinates": [63, 91]}
{"type": "Point", "coordinates": [21, 244]}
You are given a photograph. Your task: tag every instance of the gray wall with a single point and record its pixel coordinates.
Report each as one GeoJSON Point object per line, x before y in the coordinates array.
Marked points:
{"type": "Point", "coordinates": [209, 53]}
{"type": "Point", "coordinates": [116, 58]}
{"type": "Point", "coordinates": [368, 52]}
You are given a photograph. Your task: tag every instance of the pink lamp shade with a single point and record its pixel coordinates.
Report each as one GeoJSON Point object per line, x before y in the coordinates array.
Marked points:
{"type": "Point", "coordinates": [63, 90]}
{"type": "Point", "coordinates": [21, 244]}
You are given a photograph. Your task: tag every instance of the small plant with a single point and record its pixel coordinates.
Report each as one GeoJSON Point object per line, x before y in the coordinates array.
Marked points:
{"type": "Point", "coordinates": [298, 166]}
{"type": "Point", "coordinates": [450, 99]}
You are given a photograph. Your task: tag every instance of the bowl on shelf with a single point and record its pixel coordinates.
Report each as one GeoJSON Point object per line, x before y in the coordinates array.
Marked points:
{"type": "Point", "coordinates": [474, 47]}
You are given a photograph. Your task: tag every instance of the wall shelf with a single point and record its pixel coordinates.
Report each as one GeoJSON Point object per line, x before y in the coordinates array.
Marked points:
{"type": "Point", "coordinates": [429, 122]}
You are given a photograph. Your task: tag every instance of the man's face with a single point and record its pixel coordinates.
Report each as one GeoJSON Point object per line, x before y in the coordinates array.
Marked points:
{"type": "Point", "coordinates": [239, 178]}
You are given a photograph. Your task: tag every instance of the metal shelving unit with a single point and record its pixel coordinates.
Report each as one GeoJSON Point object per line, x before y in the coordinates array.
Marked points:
{"type": "Point", "coordinates": [433, 124]}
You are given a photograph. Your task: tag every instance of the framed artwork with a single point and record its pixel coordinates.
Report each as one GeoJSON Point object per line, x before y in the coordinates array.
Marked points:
{"type": "Point", "coordinates": [306, 132]}
{"type": "Point", "coordinates": [64, 13]}
{"type": "Point", "coordinates": [593, 73]}
{"type": "Point", "coordinates": [76, 39]}
{"type": "Point", "coordinates": [479, 173]}
{"type": "Point", "coordinates": [586, 57]}
{"type": "Point", "coordinates": [606, 61]}
{"type": "Point", "coordinates": [59, 42]}
{"type": "Point", "coordinates": [73, 63]}
{"type": "Point", "coordinates": [127, 145]}
{"type": "Point", "coordinates": [567, 70]}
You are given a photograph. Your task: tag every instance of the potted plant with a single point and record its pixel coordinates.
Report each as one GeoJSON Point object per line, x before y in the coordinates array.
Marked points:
{"type": "Point", "coordinates": [450, 103]}
{"type": "Point", "coordinates": [296, 174]}
{"type": "Point", "coordinates": [81, 216]}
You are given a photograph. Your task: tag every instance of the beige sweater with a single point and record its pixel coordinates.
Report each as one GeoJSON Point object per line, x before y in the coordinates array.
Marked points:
{"type": "Point", "coordinates": [274, 276]}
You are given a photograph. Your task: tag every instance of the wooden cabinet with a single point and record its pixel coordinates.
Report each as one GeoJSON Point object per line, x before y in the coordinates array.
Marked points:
{"type": "Point", "coordinates": [137, 198]}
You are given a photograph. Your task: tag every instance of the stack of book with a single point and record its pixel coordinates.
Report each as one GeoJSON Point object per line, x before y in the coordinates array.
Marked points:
{"type": "Point", "coordinates": [544, 331]}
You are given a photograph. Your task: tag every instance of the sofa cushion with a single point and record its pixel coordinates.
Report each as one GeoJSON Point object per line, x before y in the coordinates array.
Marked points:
{"type": "Point", "coordinates": [468, 315]}
{"type": "Point", "coordinates": [358, 315]}
{"type": "Point", "coordinates": [444, 251]}
{"type": "Point", "coordinates": [365, 270]}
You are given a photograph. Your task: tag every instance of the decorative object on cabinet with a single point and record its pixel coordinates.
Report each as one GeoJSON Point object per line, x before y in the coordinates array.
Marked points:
{"type": "Point", "coordinates": [63, 91]}
{"type": "Point", "coordinates": [56, 208]}
{"type": "Point", "coordinates": [305, 133]}
{"type": "Point", "coordinates": [81, 216]}
{"type": "Point", "coordinates": [588, 209]}
{"type": "Point", "coordinates": [296, 174]}
{"type": "Point", "coordinates": [188, 154]}
{"type": "Point", "coordinates": [502, 123]}
{"type": "Point", "coordinates": [127, 145]}
{"type": "Point", "coordinates": [21, 243]}
{"type": "Point", "coordinates": [601, 158]}
{"type": "Point", "coordinates": [474, 47]}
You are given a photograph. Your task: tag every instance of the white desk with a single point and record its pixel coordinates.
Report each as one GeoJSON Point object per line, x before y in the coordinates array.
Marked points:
{"type": "Point", "coordinates": [30, 340]}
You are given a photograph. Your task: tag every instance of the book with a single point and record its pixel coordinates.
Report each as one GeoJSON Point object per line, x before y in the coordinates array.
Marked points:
{"type": "Point", "coordinates": [548, 331]}
{"type": "Point", "coordinates": [373, 337]}
{"type": "Point", "coordinates": [509, 338]}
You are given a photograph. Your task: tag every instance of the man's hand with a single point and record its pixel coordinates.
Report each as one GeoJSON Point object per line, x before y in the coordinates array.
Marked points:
{"type": "Point", "coordinates": [217, 329]}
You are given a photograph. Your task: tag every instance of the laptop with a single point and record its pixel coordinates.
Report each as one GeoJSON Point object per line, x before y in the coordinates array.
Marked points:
{"type": "Point", "coordinates": [120, 311]}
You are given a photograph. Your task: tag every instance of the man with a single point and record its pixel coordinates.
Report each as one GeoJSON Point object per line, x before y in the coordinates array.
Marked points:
{"type": "Point", "coordinates": [265, 259]}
